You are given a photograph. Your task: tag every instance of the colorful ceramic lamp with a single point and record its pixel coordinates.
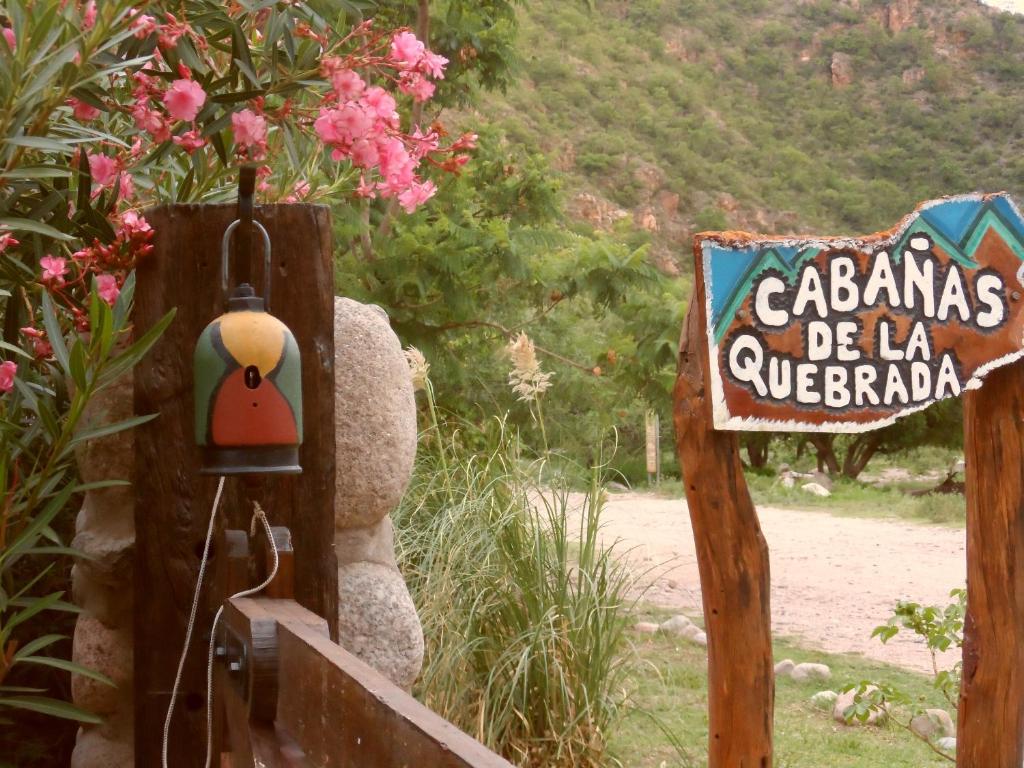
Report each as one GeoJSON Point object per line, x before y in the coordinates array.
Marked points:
{"type": "Point", "coordinates": [248, 383]}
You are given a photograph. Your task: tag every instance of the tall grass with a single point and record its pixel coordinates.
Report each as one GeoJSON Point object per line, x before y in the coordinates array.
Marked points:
{"type": "Point", "coordinates": [524, 609]}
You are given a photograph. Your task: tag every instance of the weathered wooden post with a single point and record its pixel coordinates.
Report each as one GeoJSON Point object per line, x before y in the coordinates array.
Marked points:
{"type": "Point", "coordinates": [172, 499]}
{"type": "Point", "coordinates": [990, 728]}
{"type": "Point", "coordinates": [732, 557]}
{"type": "Point", "coordinates": [847, 335]}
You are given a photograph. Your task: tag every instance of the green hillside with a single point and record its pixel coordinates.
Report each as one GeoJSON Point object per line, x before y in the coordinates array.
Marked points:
{"type": "Point", "coordinates": [764, 115]}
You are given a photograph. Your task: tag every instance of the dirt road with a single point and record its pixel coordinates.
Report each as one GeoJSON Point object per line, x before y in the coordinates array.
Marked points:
{"type": "Point", "coordinates": [834, 579]}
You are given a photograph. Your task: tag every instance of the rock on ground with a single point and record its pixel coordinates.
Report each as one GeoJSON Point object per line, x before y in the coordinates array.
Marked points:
{"type": "Point", "coordinates": [784, 667]}
{"type": "Point", "coordinates": [933, 723]}
{"type": "Point", "coordinates": [810, 671]}
{"type": "Point", "coordinates": [677, 625]}
{"type": "Point", "coordinates": [816, 489]}
{"type": "Point", "coordinates": [824, 699]}
{"type": "Point", "coordinates": [646, 627]}
{"type": "Point", "coordinates": [845, 700]}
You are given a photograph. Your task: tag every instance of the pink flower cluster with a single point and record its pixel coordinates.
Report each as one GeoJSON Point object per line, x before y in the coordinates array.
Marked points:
{"type": "Point", "coordinates": [360, 122]}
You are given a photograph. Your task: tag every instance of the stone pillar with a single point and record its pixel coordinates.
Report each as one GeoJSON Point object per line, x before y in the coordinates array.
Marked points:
{"type": "Point", "coordinates": [101, 585]}
{"type": "Point", "coordinates": [375, 433]}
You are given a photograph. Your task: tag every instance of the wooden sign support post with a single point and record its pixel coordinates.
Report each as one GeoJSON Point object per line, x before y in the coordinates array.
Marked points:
{"type": "Point", "coordinates": [732, 557]}
{"type": "Point", "coordinates": [846, 335]}
{"type": "Point", "coordinates": [990, 728]}
{"type": "Point", "coordinates": [172, 499]}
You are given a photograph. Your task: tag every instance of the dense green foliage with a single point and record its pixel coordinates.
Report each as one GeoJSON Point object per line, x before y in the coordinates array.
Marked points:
{"type": "Point", "coordinates": [735, 96]}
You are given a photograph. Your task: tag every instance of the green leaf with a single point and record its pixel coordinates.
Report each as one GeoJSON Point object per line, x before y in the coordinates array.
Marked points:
{"type": "Point", "coordinates": [111, 429]}
{"type": "Point", "coordinates": [41, 142]}
{"type": "Point", "coordinates": [37, 645]}
{"type": "Point", "coordinates": [127, 359]}
{"type": "Point", "coordinates": [33, 530]}
{"type": "Point", "coordinates": [54, 334]}
{"type": "Point", "coordinates": [38, 172]}
{"type": "Point", "coordinates": [67, 666]}
{"type": "Point", "coordinates": [48, 706]}
{"type": "Point", "coordinates": [38, 605]}
{"type": "Point", "coordinates": [30, 225]}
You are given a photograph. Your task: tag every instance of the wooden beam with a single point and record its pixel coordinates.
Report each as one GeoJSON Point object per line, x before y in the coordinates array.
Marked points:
{"type": "Point", "coordinates": [732, 558]}
{"type": "Point", "coordinates": [990, 729]}
{"type": "Point", "coordinates": [172, 499]}
{"type": "Point", "coordinates": [372, 721]}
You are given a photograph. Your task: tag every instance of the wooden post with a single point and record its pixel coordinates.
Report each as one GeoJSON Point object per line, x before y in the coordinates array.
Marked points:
{"type": "Point", "coordinates": [172, 499]}
{"type": "Point", "coordinates": [732, 557]}
{"type": "Point", "coordinates": [990, 730]}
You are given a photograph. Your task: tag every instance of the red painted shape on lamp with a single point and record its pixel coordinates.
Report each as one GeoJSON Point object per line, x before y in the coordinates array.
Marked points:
{"type": "Point", "coordinates": [248, 417]}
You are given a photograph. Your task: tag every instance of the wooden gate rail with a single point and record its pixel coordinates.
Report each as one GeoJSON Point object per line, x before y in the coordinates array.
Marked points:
{"type": "Point", "coordinates": [290, 697]}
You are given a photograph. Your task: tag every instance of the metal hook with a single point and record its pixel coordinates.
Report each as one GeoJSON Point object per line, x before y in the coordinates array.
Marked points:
{"type": "Point", "coordinates": [246, 195]}
{"type": "Point", "coordinates": [226, 241]}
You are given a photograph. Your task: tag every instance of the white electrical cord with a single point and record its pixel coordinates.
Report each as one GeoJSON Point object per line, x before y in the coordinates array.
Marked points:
{"type": "Point", "coordinates": [258, 514]}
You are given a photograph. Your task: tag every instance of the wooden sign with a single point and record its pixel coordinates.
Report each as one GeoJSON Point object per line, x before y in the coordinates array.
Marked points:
{"type": "Point", "coordinates": [847, 334]}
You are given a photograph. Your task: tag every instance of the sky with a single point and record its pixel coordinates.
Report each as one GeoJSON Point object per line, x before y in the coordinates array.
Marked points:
{"type": "Point", "coordinates": [1007, 5]}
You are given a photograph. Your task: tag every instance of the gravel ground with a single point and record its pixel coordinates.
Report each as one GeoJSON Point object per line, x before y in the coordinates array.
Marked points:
{"type": "Point", "coordinates": [834, 579]}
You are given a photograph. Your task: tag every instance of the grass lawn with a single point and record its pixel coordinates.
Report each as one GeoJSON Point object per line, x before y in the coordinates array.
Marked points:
{"type": "Point", "coordinates": [670, 682]}
{"type": "Point", "coordinates": [852, 498]}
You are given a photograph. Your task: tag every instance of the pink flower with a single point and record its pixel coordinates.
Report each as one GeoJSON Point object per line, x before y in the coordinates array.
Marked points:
{"type": "Point", "coordinates": [8, 370]}
{"type": "Point", "coordinates": [54, 269]}
{"type": "Point", "coordinates": [126, 187]}
{"type": "Point", "coordinates": [132, 223]}
{"type": "Point", "coordinates": [107, 288]}
{"type": "Point", "coordinates": [83, 111]}
{"type": "Point", "coordinates": [406, 50]}
{"type": "Point", "coordinates": [300, 191]}
{"type": "Point", "coordinates": [347, 84]}
{"type": "Point", "coordinates": [381, 103]}
{"type": "Point", "coordinates": [417, 194]}
{"type": "Point", "coordinates": [184, 99]}
{"type": "Point", "coordinates": [89, 15]}
{"type": "Point", "coordinates": [143, 25]}
{"type": "Point", "coordinates": [151, 121]}
{"type": "Point", "coordinates": [424, 143]}
{"type": "Point", "coordinates": [343, 125]}
{"type": "Point", "coordinates": [250, 130]}
{"type": "Point", "coordinates": [10, 38]}
{"type": "Point", "coordinates": [396, 166]}
{"type": "Point", "coordinates": [7, 241]}
{"type": "Point", "coordinates": [40, 346]}
{"type": "Point", "coordinates": [103, 169]}
{"type": "Point", "coordinates": [365, 154]}
{"type": "Point", "coordinates": [190, 141]}
{"type": "Point", "coordinates": [433, 64]}
{"type": "Point", "coordinates": [416, 85]}
{"type": "Point", "coordinates": [365, 189]}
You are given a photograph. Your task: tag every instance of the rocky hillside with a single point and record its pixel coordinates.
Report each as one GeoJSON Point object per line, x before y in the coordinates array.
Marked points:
{"type": "Point", "coordinates": [772, 115]}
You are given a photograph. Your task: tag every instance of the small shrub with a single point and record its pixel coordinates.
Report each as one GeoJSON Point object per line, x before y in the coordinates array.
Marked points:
{"type": "Point", "coordinates": [942, 507]}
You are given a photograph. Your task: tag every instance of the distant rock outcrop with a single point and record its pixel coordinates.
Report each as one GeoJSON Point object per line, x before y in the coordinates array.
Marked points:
{"type": "Point", "coordinates": [841, 68]}
{"type": "Point", "coordinates": [899, 15]}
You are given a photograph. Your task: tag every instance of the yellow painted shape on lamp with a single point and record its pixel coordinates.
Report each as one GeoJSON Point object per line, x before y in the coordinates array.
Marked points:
{"type": "Point", "coordinates": [253, 338]}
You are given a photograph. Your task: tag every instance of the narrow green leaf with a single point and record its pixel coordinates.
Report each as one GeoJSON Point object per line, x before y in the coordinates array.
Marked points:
{"type": "Point", "coordinates": [67, 666]}
{"type": "Point", "coordinates": [54, 334]}
{"type": "Point", "coordinates": [111, 429]}
{"type": "Point", "coordinates": [37, 645]}
{"type": "Point", "coordinates": [31, 225]}
{"type": "Point", "coordinates": [48, 706]}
